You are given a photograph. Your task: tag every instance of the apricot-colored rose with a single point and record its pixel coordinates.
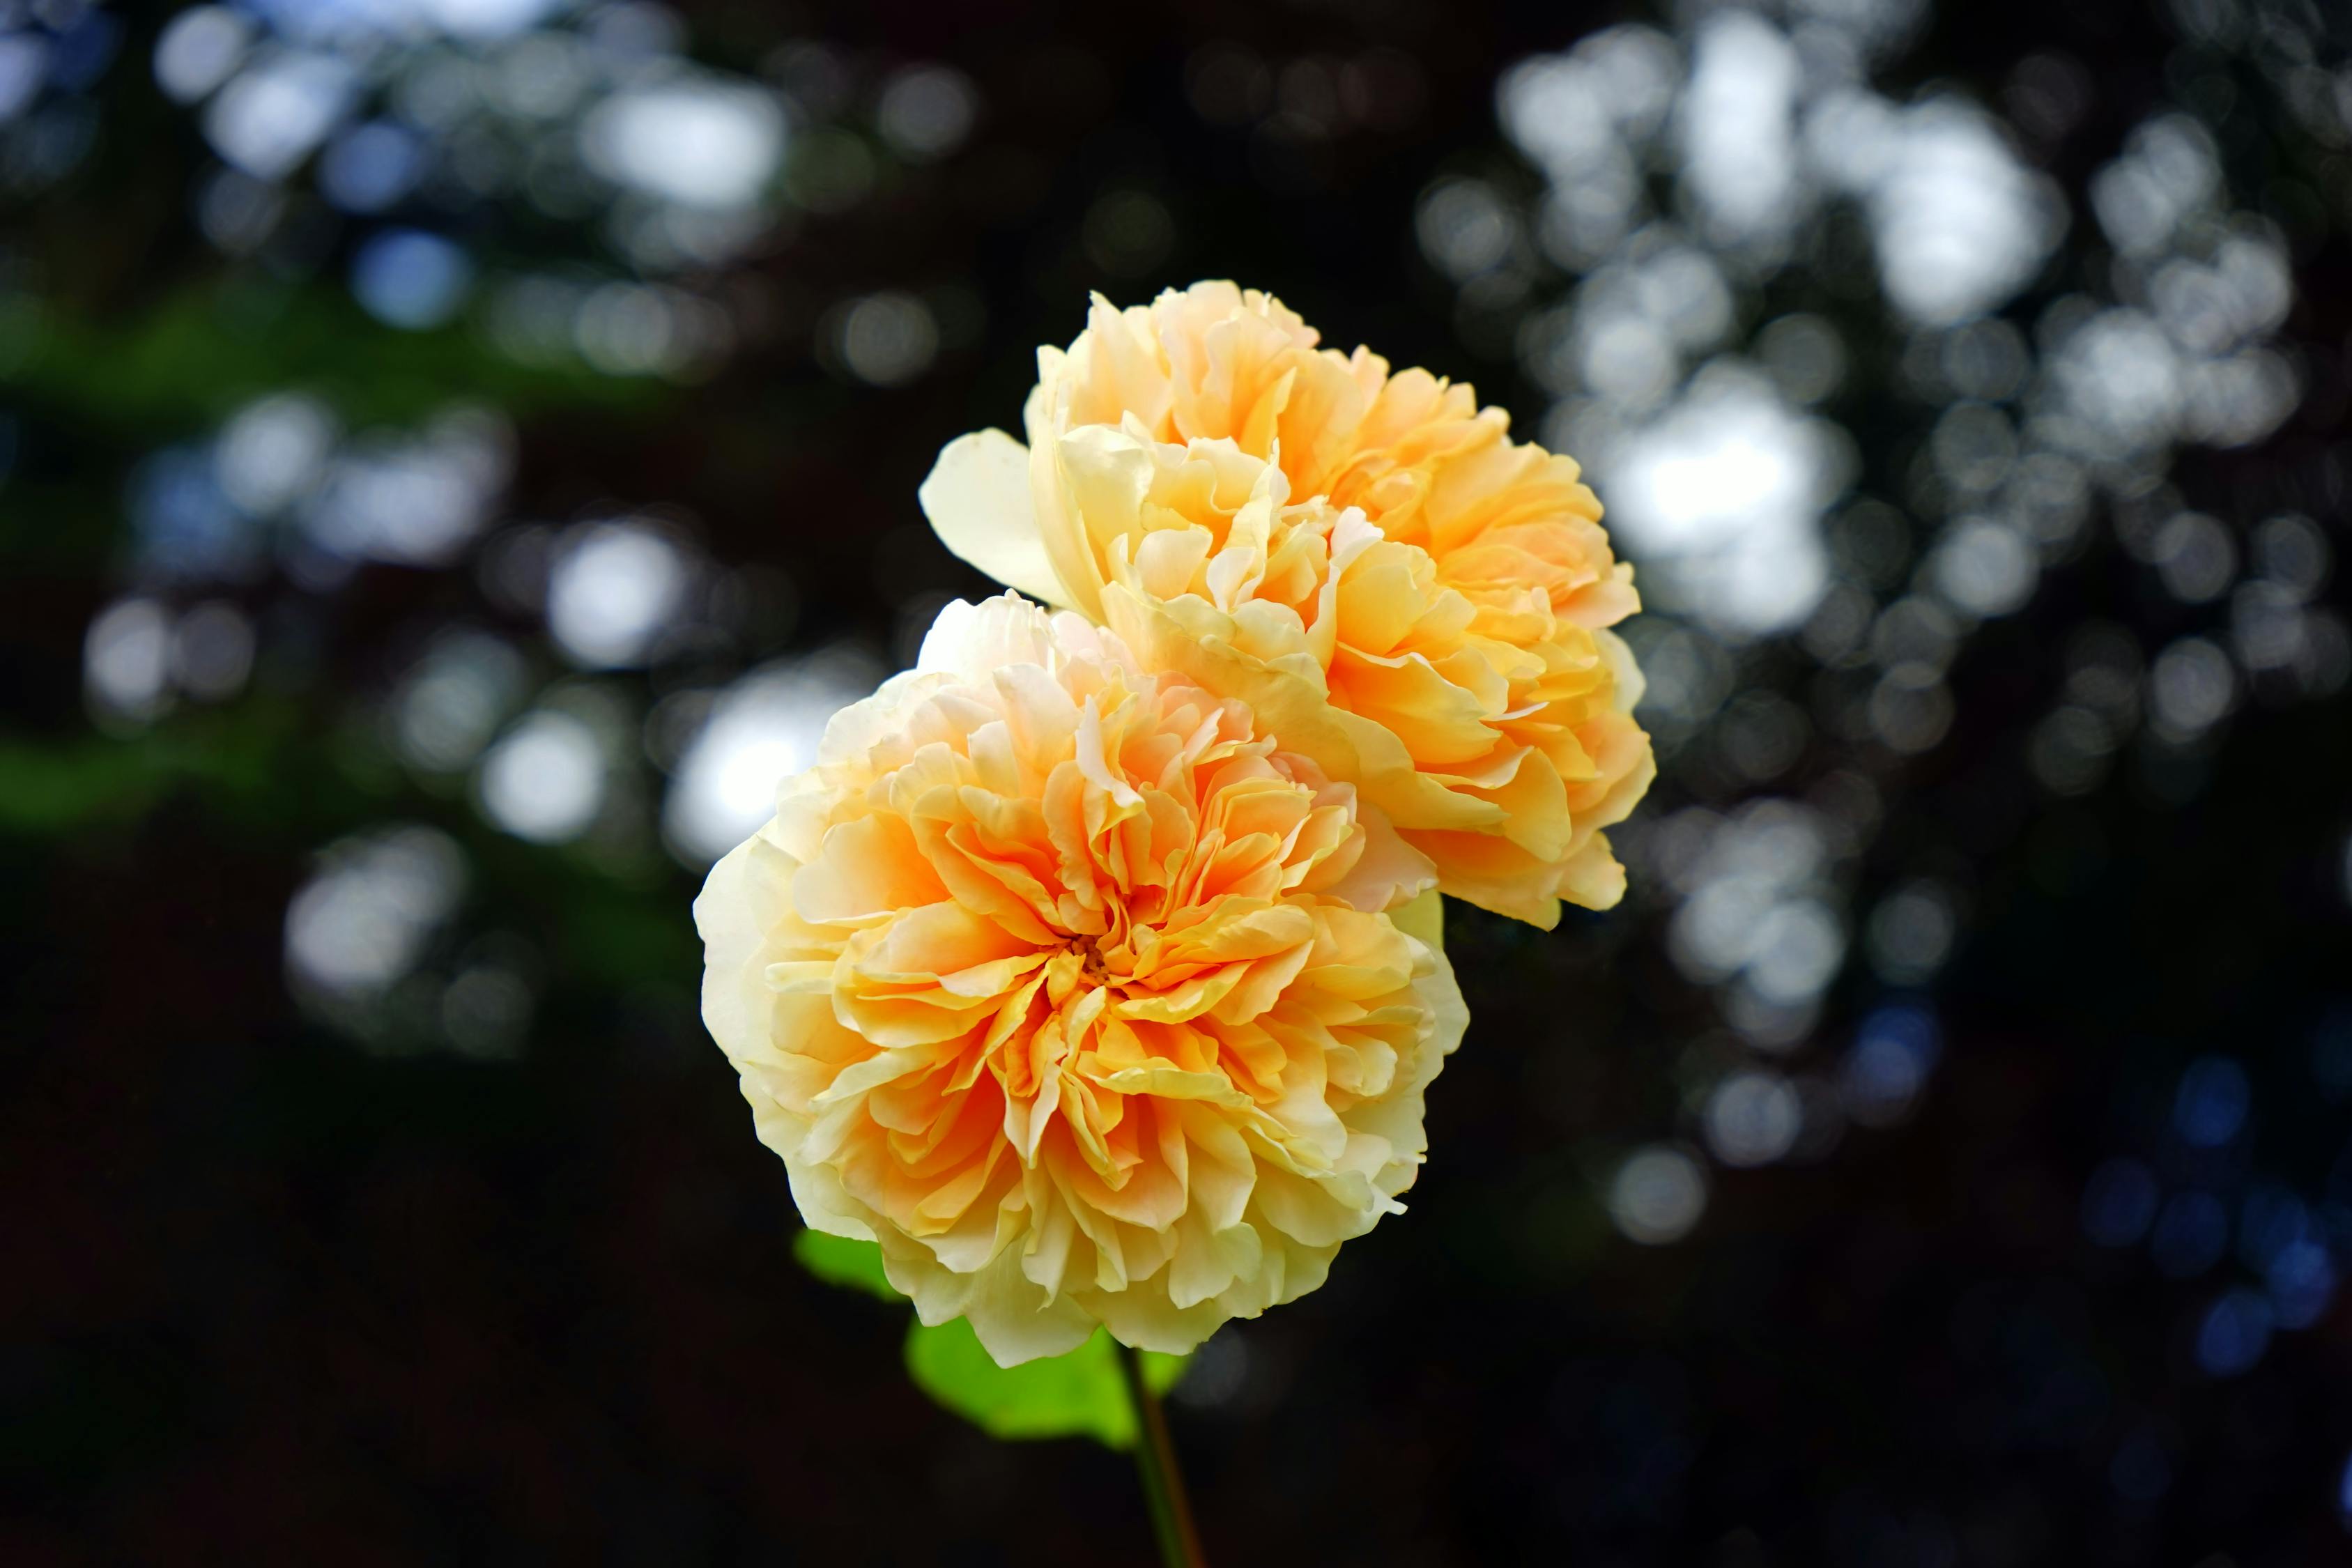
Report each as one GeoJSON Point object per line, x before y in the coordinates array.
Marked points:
{"type": "Point", "coordinates": [1061, 982]}
{"type": "Point", "coordinates": [1396, 589]}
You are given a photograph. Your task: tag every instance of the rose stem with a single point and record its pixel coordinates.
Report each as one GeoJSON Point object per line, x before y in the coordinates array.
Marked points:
{"type": "Point", "coordinates": [1155, 1460]}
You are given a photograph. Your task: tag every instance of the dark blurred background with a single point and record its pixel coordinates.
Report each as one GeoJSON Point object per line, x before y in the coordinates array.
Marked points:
{"type": "Point", "coordinates": [455, 453]}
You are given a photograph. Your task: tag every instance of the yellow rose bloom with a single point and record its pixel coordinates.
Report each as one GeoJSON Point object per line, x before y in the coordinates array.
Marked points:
{"type": "Point", "coordinates": [1397, 589]}
{"type": "Point", "coordinates": [1063, 983]}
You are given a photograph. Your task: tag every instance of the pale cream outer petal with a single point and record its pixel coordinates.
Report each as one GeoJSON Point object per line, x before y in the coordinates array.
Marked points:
{"type": "Point", "coordinates": [1015, 1320]}
{"type": "Point", "coordinates": [746, 897]}
{"type": "Point", "coordinates": [1398, 1116]}
{"type": "Point", "coordinates": [1062, 535]}
{"type": "Point", "coordinates": [1143, 1315]}
{"type": "Point", "coordinates": [979, 501]}
{"type": "Point", "coordinates": [733, 913]}
{"type": "Point", "coordinates": [1450, 1014]}
{"type": "Point", "coordinates": [1624, 667]}
{"type": "Point", "coordinates": [974, 641]}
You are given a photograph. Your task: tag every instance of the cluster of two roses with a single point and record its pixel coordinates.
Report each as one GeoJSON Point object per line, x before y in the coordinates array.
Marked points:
{"type": "Point", "coordinates": [1094, 970]}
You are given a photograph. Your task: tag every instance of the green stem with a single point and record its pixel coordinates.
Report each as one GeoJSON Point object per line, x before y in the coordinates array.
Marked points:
{"type": "Point", "coordinates": [1155, 1460]}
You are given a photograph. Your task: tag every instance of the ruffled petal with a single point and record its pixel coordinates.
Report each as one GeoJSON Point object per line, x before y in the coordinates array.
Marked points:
{"type": "Point", "coordinates": [978, 498]}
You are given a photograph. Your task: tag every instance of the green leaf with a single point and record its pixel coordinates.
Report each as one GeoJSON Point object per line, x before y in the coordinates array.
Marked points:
{"type": "Point", "coordinates": [1080, 1394]}
{"type": "Point", "coordinates": [845, 1261]}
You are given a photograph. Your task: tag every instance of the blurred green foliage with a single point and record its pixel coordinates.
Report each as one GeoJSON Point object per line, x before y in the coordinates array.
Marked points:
{"type": "Point", "coordinates": [197, 356]}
